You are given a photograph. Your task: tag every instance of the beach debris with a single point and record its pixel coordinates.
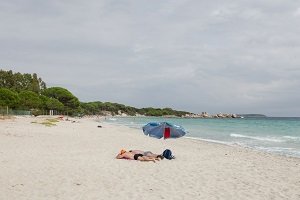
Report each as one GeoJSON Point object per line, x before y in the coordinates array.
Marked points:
{"type": "Point", "coordinates": [17, 185]}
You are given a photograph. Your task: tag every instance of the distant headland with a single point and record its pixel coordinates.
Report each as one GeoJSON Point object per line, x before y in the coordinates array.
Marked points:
{"type": "Point", "coordinates": [222, 115]}
{"type": "Point", "coordinates": [206, 115]}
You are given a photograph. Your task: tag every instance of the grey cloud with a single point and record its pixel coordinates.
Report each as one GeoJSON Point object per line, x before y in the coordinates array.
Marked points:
{"type": "Point", "coordinates": [233, 56]}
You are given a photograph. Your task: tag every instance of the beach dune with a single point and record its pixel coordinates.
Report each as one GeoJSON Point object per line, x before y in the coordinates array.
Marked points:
{"type": "Point", "coordinates": [76, 160]}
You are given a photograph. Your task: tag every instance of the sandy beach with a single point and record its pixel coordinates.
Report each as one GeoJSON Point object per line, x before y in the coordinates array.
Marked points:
{"type": "Point", "coordinates": [76, 160]}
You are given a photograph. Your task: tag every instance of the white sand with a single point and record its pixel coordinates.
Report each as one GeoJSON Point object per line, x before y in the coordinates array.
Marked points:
{"type": "Point", "coordinates": [76, 161]}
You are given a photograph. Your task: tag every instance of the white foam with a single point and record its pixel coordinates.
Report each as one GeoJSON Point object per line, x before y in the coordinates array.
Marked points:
{"type": "Point", "coordinates": [269, 139]}
{"type": "Point", "coordinates": [287, 151]}
{"type": "Point", "coordinates": [209, 140]}
{"type": "Point", "coordinates": [281, 150]}
{"type": "Point", "coordinates": [292, 138]}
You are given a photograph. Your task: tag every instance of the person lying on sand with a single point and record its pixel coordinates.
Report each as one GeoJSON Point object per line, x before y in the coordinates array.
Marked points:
{"type": "Point", "coordinates": [148, 153]}
{"type": "Point", "coordinates": [134, 156]}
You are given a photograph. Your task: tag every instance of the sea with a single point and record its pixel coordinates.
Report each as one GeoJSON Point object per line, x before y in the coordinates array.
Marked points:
{"type": "Point", "coordinates": [278, 135]}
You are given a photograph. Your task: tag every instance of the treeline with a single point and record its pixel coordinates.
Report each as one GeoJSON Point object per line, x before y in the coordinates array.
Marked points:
{"type": "Point", "coordinates": [29, 92]}
{"type": "Point", "coordinates": [99, 108]}
{"type": "Point", "coordinates": [19, 82]}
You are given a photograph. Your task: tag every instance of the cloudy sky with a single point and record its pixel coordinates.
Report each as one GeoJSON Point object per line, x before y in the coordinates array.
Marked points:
{"type": "Point", "coordinates": [233, 56]}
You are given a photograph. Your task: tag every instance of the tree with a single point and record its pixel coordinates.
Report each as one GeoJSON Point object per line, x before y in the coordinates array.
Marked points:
{"type": "Point", "coordinates": [19, 82]}
{"type": "Point", "coordinates": [29, 100]}
{"type": "Point", "coordinates": [3, 78]}
{"type": "Point", "coordinates": [8, 98]}
{"type": "Point", "coordinates": [42, 84]}
{"type": "Point", "coordinates": [50, 104]}
{"type": "Point", "coordinates": [6, 79]}
{"type": "Point", "coordinates": [35, 85]}
{"type": "Point", "coordinates": [91, 108]}
{"type": "Point", "coordinates": [70, 102]}
{"type": "Point", "coordinates": [18, 85]}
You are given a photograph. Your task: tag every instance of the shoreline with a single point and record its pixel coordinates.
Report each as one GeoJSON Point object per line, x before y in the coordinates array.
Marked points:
{"type": "Point", "coordinates": [223, 143]}
{"type": "Point", "coordinates": [245, 147]}
{"type": "Point", "coordinates": [278, 150]}
{"type": "Point", "coordinates": [76, 160]}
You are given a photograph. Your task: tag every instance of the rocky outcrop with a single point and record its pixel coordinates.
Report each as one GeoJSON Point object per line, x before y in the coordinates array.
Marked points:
{"type": "Point", "coordinates": [206, 115]}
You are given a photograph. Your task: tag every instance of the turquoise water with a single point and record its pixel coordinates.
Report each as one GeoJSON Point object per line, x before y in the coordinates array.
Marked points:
{"type": "Point", "coordinates": [271, 134]}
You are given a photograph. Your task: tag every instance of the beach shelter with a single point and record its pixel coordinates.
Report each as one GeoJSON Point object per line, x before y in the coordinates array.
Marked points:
{"type": "Point", "coordinates": [163, 130]}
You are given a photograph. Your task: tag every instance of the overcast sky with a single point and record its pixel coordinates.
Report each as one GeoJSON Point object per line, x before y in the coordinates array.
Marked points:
{"type": "Point", "coordinates": [232, 56]}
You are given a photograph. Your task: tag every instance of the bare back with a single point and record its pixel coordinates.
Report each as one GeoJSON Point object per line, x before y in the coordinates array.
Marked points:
{"type": "Point", "coordinates": [126, 155]}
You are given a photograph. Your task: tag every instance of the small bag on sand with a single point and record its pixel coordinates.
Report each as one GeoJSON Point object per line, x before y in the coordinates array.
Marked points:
{"type": "Point", "coordinates": [168, 154]}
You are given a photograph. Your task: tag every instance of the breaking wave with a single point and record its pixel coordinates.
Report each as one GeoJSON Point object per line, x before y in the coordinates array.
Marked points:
{"type": "Point", "coordinates": [268, 139]}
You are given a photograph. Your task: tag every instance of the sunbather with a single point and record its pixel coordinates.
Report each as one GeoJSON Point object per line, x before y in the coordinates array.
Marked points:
{"type": "Point", "coordinates": [134, 156]}
{"type": "Point", "coordinates": [148, 153]}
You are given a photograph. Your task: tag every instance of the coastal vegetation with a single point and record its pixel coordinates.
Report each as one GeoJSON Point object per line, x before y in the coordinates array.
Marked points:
{"type": "Point", "coordinates": [47, 122]}
{"type": "Point", "coordinates": [29, 92]}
